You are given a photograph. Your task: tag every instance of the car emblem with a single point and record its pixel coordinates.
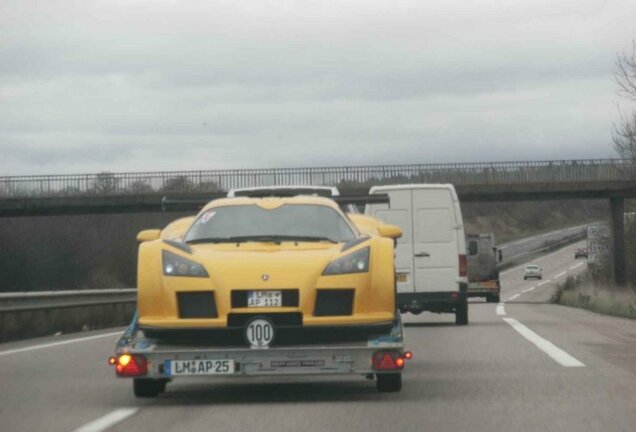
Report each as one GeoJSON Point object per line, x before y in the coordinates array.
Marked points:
{"type": "Point", "coordinates": [265, 277]}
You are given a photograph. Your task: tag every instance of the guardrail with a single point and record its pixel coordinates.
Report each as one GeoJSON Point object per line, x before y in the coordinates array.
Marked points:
{"type": "Point", "coordinates": [513, 252]}
{"type": "Point", "coordinates": [31, 314]}
{"type": "Point", "coordinates": [23, 301]}
{"type": "Point", "coordinates": [210, 181]}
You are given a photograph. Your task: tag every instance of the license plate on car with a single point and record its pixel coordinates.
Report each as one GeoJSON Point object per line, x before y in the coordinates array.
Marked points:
{"type": "Point", "coordinates": [402, 277]}
{"type": "Point", "coordinates": [198, 367]}
{"type": "Point", "coordinates": [264, 298]}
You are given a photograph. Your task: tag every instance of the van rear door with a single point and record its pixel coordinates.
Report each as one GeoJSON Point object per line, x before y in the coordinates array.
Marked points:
{"type": "Point", "coordinates": [400, 214]}
{"type": "Point", "coordinates": [435, 244]}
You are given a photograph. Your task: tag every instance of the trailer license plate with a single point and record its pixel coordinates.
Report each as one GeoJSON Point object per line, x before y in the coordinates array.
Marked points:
{"type": "Point", "coordinates": [402, 277]}
{"type": "Point", "coordinates": [198, 367]}
{"type": "Point", "coordinates": [264, 298]}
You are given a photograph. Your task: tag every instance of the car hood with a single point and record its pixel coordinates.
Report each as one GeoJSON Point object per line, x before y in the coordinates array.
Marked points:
{"type": "Point", "coordinates": [262, 265]}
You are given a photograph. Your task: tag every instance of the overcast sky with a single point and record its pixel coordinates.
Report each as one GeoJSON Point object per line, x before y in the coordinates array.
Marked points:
{"type": "Point", "coordinates": [122, 85]}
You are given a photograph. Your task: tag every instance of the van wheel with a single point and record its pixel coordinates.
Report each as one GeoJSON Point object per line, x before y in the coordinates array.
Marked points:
{"type": "Point", "coordinates": [389, 383]}
{"type": "Point", "coordinates": [146, 388]}
{"type": "Point", "coordinates": [461, 314]}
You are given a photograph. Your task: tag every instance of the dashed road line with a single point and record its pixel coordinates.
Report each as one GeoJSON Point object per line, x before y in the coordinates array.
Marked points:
{"type": "Point", "coordinates": [544, 282]}
{"type": "Point", "coordinates": [576, 266]}
{"type": "Point", "coordinates": [529, 289]}
{"type": "Point", "coordinates": [108, 421]}
{"type": "Point", "coordinates": [53, 344]}
{"type": "Point", "coordinates": [500, 309]}
{"type": "Point", "coordinates": [514, 297]}
{"type": "Point", "coordinates": [556, 353]}
{"type": "Point", "coordinates": [560, 275]}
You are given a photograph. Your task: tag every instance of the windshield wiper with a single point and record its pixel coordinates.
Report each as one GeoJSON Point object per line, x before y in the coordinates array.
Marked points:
{"type": "Point", "coordinates": [211, 240]}
{"type": "Point", "coordinates": [309, 239]}
{"type": "Point", "coordinates": [260, 238]}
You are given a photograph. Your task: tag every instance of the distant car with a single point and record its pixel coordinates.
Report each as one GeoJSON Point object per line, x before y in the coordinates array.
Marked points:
{"type": "Point", "coordinates": [532, 271]}
{"type": "Point", "coordinates": [580, 253]}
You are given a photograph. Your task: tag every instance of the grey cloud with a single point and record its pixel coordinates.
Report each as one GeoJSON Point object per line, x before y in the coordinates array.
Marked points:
{"type": "Point", "coordinates": [124, 85]}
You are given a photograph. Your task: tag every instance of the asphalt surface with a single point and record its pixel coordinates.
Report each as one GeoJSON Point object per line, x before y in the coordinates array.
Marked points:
{"type": "Point", "coordinates": [525, 365]}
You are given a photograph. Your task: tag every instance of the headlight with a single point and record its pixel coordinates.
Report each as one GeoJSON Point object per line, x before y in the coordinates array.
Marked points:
{"type": "Point", "coordinates": [174, 265]}
{"type": "Point", "coordinates": [357, 262]}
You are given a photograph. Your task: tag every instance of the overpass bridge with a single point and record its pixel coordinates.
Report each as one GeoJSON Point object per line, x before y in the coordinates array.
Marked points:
{"type": "Point", "coordinates": [611, 179]}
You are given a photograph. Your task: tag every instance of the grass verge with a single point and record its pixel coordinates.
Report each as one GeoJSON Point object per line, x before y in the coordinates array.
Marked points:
{"type": "Point", "coordinates": [581, 292]}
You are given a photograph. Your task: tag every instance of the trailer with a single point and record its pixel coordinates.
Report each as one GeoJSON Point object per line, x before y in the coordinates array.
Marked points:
{"type": "Point", "coordinates": [154, 362]}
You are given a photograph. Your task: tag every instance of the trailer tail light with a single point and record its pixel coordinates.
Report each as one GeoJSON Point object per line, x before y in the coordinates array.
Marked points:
{"type": "Point", "coordinates": [387, 360]}
{"type": "Point", "coordinates": [130, 365]}
{"type": "Point", "coordinates": [463, 266]}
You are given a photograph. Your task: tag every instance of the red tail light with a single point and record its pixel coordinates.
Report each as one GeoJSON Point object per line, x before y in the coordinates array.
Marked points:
{"type": "Point", "coordinates": [131, 365]}
{"type": "Point", "coordinates": [387, 360]}
{"type": "Point", "coordinates": [463, 265]}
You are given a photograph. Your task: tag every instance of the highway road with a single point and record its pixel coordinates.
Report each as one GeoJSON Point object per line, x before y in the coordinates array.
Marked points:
{"type": "Point", "coordinates": [522, 365]}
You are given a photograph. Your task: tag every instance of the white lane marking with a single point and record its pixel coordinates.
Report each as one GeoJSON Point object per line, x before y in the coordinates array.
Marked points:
{"type": "Point", "coordinates": [576, 266]}
{"type": "Point", "coordinates": [529, 289]}
{"type": "Point", "coordinates": [560, 274]}
{"type": "Point", "coordinates": [514, 297]}
{"type": "Point", "coordinates": [108, 421]}
{"type": "Point", "coordinates": [556, 353]}
{"type": "Point", "coordinates": [544, 282]}
{"type": "Point", "coordinates": [500, 309]}
{"type": "Point", "coordinates": [53, 344]}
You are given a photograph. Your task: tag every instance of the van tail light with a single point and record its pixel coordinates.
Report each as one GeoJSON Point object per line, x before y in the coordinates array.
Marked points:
{"type": "Point", "coordinates": [387, 360]}
{"type": "Point", "coordinates": [463, 266]}
{"type": "Point", "coordinates": [131, 365]}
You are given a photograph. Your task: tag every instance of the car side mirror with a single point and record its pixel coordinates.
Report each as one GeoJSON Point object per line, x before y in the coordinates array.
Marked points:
{"type": "Point", "coordinates": [148, 235]}
{"type": "Point", "coordinates": [390, 231]}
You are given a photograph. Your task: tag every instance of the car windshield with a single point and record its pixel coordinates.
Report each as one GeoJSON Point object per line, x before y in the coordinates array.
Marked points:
{"type": "Point", "coordinates": [532, 268]}
{"type": "Point", "coordinates": [288, 222]}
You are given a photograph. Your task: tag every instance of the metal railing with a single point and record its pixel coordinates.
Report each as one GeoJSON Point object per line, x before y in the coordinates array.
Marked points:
{"type": "Point", "coordinates": [487, 173]}
{"type": "Point", "coordinates": [35, 300]}
{"type": "Point", "coordinates": [514, 251]}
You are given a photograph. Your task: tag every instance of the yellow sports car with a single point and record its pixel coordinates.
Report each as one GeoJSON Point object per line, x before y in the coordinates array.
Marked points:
{"type": "Point", "coordinates": [264, 264]}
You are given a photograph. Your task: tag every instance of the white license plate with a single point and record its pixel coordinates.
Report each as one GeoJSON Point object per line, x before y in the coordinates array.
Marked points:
{"type": "Point", "coordinates": [198, 367]}
{"type": "Point", "coordinates": [264, 298]}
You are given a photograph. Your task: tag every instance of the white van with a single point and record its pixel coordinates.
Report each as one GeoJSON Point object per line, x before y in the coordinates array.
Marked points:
{"type": "Point", "coordinates": [430, 257]}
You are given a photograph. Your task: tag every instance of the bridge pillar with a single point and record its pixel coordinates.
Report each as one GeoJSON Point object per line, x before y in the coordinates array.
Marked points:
{"type": "Point", "coordinates": [617, 208]}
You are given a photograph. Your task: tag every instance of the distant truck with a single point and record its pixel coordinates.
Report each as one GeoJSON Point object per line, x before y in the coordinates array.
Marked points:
{"type": "Point", "coordinates": [483, 258]}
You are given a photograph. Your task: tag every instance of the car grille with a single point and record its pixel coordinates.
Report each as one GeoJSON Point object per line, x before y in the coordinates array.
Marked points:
{"type": "Point", "coordinates": [290, 297]}
{"type": "Point", "coordinates": [338, 302]}
{"type": "Point", "coordinates": [199, 304]}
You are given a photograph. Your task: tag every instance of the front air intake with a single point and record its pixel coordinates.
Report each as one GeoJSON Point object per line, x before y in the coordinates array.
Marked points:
{"type": "Point", "coordinates": [199, 304]}
{"type": "Point", "coordinates": [338, 302]}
